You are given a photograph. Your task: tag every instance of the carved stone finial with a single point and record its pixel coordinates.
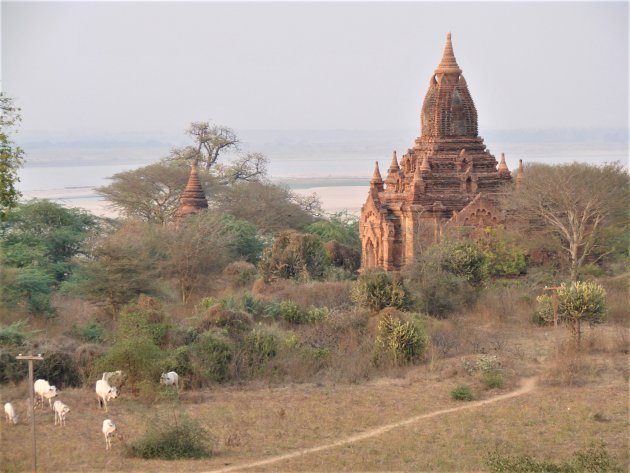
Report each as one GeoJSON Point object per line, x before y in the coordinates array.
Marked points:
{"type": "Point", "coordinates": [376, 177]}
{"type": "Point", "coordinates": [448, 64]}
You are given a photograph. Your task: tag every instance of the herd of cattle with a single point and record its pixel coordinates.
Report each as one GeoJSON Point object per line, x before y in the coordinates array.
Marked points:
{"type": "Point", "coordinates": [105, 392]}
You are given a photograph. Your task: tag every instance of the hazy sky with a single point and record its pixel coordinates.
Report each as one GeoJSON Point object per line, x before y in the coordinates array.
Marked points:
{"type": "Point", "coordinates": [90, 68]}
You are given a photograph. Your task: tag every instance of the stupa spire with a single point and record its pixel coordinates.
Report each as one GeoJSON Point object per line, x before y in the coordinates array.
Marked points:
{"type": "Point", "coordinates": [376, 177]}
{"type": "Point", "coordinates": [394, 165]}
{"type": "Point", "coordinates": [503, 169]}
{"type": "Point", "coordinates": [520, 175]}
{"type": "Point", "coordinates": [193, 198]}
{"type": "Point", "coordinates": [448, 64]}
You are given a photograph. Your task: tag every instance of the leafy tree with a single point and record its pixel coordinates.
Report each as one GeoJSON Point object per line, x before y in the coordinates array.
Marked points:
{"type": "Point", "coordinates": [199, 247]}
{"type": "Point", "coordinates": [271, 208]}
{"type": "Point", "coordinates": [503, 256]}
{"type": "Point", "coordinates": [209, 141]}
{"type": "Point", "coordinates": [122, 265]}
{"type": "Point", "coordinates": [576, 203]}
{"type": "Point", "coordinates": [247, 167]}
{"type": "Point", "coordinates": [294, 255]}
{"type": "Point", "coordinates": [244, 239]}
{"type": "Point", "coordinates": [150, 193]}
{"type": "Point", "coordinates": [38, 240]}
{"type": "Point", "coordinates": [577, 302]}
{"type": "Point", "coordinates": [341, 227]}
{"type": "Point", "coordinates": [11, 156]}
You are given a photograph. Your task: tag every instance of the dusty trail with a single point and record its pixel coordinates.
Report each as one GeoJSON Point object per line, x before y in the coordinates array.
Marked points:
{"type": "Point", "coordinates": [528, 385]}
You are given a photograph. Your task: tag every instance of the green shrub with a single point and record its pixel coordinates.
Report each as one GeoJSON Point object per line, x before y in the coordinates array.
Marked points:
{"type": "Point", "coordinates": [85, 357]}
{"type": "Point", "coordinates": [292, 313]}
{"type": "Point", "coordinates": [462, 393]}
{"type": "Point", "coordinates": [577, 302]}
{"type": "Point", "coordinates": [399, 342]}
{"type": "Point", "coordinates": [240, 273]}
{"type": "Point", "coordinates": [294, 255]}
{"type": "Point", "coordinates": [59, 369]}
{"type": "Point", "coordinates": [259, 345]}
{"type": "Point", "coordinates": [503, 256]}
{"type": "Point", "coordinates": [210, 356]}
{"type": "Point", "coordinates": [317, 314]}
{"type": "Point", "coordinates": [167, 439]}
{"type": "Point", "coordinates": [465, 260]}
{"type": "Point", "coordinates": [90, 332]}
{"type": "Point", "coordinates": [443, 293]}
{"type": "Point", "coordinates": [139, 358]}
{"type": "Point", "coordinates": [376, 290]}
{"type": "Point", "coordinates": [11, 370]}
{"type": "Point", "coordinates": [592, 460]}
{"type": "Point", "coordinates": [14, 335]}
{"type": "Point", "coordinates": [492, 379]}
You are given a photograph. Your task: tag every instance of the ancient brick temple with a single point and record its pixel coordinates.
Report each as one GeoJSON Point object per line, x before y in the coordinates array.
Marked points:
{"type": "Point", "coordinates": [448, 179]}
{"type": "Point", "coordinates": [193, 199]}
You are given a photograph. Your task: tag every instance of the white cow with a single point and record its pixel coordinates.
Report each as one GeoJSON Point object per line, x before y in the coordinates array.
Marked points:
{"type": "Point", "coordinates": [170, 379]}
{"type": "Point", "coordinates": [60, 412]}
{"type": "Point", "coordinates": [105, 392]}
{"type": "Point", "coordinates": [9, 411]}
{"type": "Point", "coordinates": [45, 390]}
{"type": "Point", "coordinates": [108, 431]}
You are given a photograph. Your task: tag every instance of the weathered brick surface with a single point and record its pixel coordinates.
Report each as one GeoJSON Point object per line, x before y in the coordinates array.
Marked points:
{"type": "Point", "coordinates": [193, 198]}
{"type": "Point", "coordinates": [437, 180]}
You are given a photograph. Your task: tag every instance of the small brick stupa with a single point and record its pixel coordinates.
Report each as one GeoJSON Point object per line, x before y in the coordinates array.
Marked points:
{"type": "Point", "coordinates": [448, 179]}
{"type": "Point", "coordinates": [193, 199]}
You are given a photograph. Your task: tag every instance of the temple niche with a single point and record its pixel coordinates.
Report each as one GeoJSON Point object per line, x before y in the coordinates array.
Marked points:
{"type": "Point", "coordinates": [447, 180]}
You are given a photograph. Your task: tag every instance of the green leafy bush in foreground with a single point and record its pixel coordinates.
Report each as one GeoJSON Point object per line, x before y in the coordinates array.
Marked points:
{"type": "Point", "coordinates": [168, 440]}
{"type": "Point", "coordinates": [462, 393]}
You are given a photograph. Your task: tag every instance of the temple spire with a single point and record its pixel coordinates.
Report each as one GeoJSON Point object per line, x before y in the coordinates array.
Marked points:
{"type": "Point", "coordinates": [394, 165]}
{"type": "Point", "coordinates": [520, 175]}
{"type": "Point", "coordinates": [503, 169]}
{"type": "Point", "coordinates": [193, 199]}
{"type": "Point", "coordinates": [448, 64]}
{"type": "Point", "coordinates": [377, 180]}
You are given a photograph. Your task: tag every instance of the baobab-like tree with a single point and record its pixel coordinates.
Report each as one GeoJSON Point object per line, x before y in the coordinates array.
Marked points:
{"type": "Point", "coordinates": [584, 206]}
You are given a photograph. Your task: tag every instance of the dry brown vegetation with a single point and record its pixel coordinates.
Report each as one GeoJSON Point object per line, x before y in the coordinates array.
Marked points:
{"type": "Point", "coordinates": [580, 398]}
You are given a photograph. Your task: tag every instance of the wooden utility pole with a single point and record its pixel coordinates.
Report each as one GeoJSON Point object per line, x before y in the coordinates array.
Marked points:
{"type": "Point", "coordinates": [554, 303]}
{"type": "Point", "coordinates": [30, 359]}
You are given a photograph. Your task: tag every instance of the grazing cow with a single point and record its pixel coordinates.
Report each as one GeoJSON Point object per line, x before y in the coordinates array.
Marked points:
{"type": "Point", "coordinates": [170, 379]}
{"type": "Point", "coordinates": [105, 392]}
{"type": "Point", "coordinates": [45, 390]}
{"type": "Point", "coordinates": [108, 431]}
{"type": "Point", "coordinates": [9, 411]}
{"type": "Point", "coordinates": [60, 412]}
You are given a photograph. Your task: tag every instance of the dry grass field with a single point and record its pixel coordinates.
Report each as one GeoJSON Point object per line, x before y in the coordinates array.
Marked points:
{"type": "Point", "coordinates": [578, 400]}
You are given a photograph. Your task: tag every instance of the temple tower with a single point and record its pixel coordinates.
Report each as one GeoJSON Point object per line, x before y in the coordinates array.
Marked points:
{"type": "Point", "coordinates": [193, 199]}
{"type": "Point", "coordinates": [448, 178]}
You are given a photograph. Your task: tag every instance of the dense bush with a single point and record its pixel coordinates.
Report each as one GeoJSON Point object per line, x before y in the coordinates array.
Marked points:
{"type": "Point", "coordinates": [210, 355]}
{"type": "Point", "coordinates": [14, 335]}
{"type": "Point", "coordinates": [240, 273]}
{"type": "Point", "coordinates": [85, 357]}
{"type": "Point", "coordinates": [259, 345]}
{"type": "Point", "coordinates": [292, 313]}
{"type": "Point", "coordinates": [59, 369]}
{"type": "Point", "coordinates": [445, 293]}
{"type": "Point", "coordinates": [592, 460]}
{"type": "Point", "coordinates": [376, 290]}
{"type": "Point", "coordinates": [172, 439]}
{"type": "Point", "coordinates": [399, 343]}
{"type": "Point", "coordinates": [11, 370]}
{"type": "Point", "coordinates": [294, 255]}
{"type": "Point", "coordinates": [462, 393]}
{"type": "Point", "coordinates": [90, 332]}
{"type": "Point", "coordinates": [503, 256]}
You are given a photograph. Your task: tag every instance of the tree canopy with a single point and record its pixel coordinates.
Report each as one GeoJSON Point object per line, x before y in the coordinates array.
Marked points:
{"type": "Point", "coordinates": [11, 156]}
{"type": "Point", "coordinates": [584, 206]}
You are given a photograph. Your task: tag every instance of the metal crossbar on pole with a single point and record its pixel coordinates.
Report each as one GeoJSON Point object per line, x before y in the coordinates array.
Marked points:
{"type": "Point", "coordinates": [30, 359]}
